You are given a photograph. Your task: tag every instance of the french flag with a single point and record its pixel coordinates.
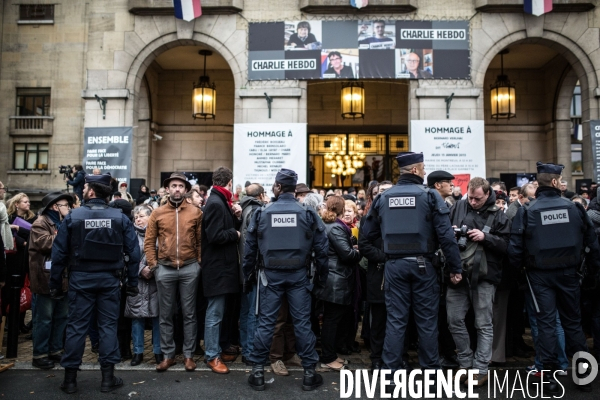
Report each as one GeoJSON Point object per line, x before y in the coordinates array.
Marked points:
{"type": "Point", "coordinates": [537, 7]}
{"type": "Point", "coordinates": [187, 10]}
{"type": "Point", "coordinates": [359, 3]}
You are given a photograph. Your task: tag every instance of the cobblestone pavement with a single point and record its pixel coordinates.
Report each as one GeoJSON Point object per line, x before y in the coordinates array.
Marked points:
{"type": "Point", "coordinates": [90, 360]}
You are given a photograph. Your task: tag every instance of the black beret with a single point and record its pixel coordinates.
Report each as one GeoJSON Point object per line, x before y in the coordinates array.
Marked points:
{"type": "Point", "coordinates": [437, 176]}
{"type": "Point", "coordinates": [286, 177]}
{"type": "Point", "coordinates": [549, 168]}
{"type": "Point", "coordinates": [104, 179]}
{"type": "Point", "coordinates": [409, 158]}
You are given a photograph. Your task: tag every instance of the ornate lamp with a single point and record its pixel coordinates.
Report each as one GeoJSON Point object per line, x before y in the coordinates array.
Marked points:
{"type": "Point", "coordinates": [503, 96]}
{"type": "Point", "coordinates": [353, 100]}
{"type": "Point", "coordinates": [204, 97]}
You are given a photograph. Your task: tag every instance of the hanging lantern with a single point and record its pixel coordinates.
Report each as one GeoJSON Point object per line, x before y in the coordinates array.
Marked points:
{"type": "Point", "coordinates": [503, 94]}
{"type": "Point", "coordinates": [353, 100]}
{"type": "Point", "coordinates": [204, 97]}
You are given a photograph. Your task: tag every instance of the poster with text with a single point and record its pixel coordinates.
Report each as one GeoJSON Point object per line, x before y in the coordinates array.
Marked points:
{"type": "Point", "coordinates": [595, 136]}
{"type": "Point", "coordinates": [108, 149]}
{"type": "Point", "coordinates": [260, 150]}
{"type": "Point", "coordinates": [372, 49]}
{"type": "Point", "coordinates": [457, 147]}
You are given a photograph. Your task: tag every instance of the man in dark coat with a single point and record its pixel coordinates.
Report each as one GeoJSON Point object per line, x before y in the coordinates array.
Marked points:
{"type": "Point", "coordinates": [220, 261]}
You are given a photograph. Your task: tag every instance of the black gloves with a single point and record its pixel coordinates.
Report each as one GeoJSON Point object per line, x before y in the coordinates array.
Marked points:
{"type": "Point", "coordinates": [56, 294]}
{"type": "Point", "coordinates": [132, 291]}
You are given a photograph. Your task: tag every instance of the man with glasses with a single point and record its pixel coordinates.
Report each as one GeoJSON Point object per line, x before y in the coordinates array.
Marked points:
{"type": "Point", "coordinates": [50, 318]}
{"type": "Point", "coordinates": [413, 62]}
{"type": "Point", "coordinates": [336, 68]}
{"type": "Point", "coordinates": [488, 230]}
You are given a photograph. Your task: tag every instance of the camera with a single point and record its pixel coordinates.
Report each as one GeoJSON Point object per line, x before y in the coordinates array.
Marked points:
{"type": "Point", "coordinates": [65, 169]}
{"type": "Point", "coordinates": [462, 234]}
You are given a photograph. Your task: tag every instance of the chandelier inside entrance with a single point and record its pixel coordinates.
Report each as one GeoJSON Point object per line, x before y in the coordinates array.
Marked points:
{"type": "Point", "coordinates": [341, 161]}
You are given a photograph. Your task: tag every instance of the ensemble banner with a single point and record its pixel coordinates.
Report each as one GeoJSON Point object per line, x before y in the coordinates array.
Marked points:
{"type": "Point", "coordinates": [110, 150]}
{"type": "Point", "coordinates": [260, 150]}
{"type": "Point", "coordinates": [359, 49]}
{"type": "Point", "coordinates": [457, 147]}
{"type": "Point", "coordinates": [595, 135]}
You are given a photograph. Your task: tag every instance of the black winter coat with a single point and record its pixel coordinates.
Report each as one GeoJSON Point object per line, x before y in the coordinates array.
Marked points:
{"type": "Point", "coordinates": [495, 243]}
{"type": "Point", "coordinates": [376, 256]}
{"type": "Point", "coordinates": [342, 261]}
{"type": "Point", "coordinates": [220, 259]}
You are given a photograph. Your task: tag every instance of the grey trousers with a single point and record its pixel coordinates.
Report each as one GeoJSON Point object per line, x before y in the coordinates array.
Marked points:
{"type": "Point", "coordinates": [458, 301]}
{"type": "Point", "coordinates": [499, 320]}
{"type": "Point", "coordinates": [168, 279]}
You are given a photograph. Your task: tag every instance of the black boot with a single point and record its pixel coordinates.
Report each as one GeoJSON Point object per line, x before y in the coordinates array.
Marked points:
{"type": "Point", "coordinates": [257, 377]}
{"type": "Point", "coordinates": [69, 385]}
{"type": "Point", "coordinates": [312, 380]}
{"type": "Point", "coordinates": [159, 358]}
{"type": "Point", "coordinates": [376, 365]}
{"type": "Point", "coordinates": [548, 381]}
{"type": "Point", "coordinates": [137, 359]}
{"type": "Point", "coordinates": [109, 380]}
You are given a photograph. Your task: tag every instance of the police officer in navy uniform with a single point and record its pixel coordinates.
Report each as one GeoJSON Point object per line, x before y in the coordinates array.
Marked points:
{"type": "Point", "coordinates": [413, 222]}
{"type": "Point", "coordinates": [549, 237]}
{"type": "Point", "coordinates": [281, 237]}
{"type": "Point", "coordinates": [94, 242]}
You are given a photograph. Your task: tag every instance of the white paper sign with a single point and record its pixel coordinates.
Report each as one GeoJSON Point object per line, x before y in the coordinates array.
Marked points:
{"type": "Point", "coordinates": [260, 150]}
{"type": "Point", "coordinates": [457, 147]}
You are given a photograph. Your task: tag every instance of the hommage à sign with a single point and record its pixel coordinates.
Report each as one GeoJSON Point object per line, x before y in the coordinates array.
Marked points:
{"type": "Point", "coordinates": [374, 49]}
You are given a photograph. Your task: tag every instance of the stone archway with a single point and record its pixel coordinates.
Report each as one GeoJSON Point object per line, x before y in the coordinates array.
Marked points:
{"type": "Point", "coordinates": [143, 128]}
{"type": "Point", "coordinates": [578, 66]}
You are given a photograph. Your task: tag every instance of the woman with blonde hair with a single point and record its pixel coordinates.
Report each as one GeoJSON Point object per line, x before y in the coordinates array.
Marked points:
{"type": "Point", "coordinates": [18, 263]}
{"type": "Point", "coordinates": [337, 291]}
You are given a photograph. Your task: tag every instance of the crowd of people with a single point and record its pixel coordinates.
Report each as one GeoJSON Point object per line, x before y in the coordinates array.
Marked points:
{"type": "Point", "coordinates": [196, 298]}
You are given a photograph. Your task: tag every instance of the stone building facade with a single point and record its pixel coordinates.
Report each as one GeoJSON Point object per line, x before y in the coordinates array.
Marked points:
{"type": "Point", "coordinates": [142, 60]}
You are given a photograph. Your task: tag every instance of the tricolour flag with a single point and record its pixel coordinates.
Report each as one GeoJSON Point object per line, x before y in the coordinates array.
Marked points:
{"type": "Point", "coordinates": [359, 3]}
{"type": "Point", "coordinates": [187, 10]}
{"type": "Point", "coordinates": [537, 7]}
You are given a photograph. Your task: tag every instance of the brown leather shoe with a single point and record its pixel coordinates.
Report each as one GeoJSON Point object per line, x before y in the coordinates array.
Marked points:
{"type": "Point", "coordinates": [190, 364]}
{"type": "Point", "coordinates": [165, 364]}
{"type": "Point", "coordinates": [228, 357]}
{"type": "Point", "coordinates": [217, 366]}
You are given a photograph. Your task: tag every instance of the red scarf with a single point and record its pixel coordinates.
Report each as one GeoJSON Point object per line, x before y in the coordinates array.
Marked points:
{"type": "Point", "coordinates": [228, 195]}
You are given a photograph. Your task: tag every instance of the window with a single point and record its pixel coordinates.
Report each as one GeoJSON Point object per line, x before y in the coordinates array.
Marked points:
{"type": "Point", "coordinates": [576, 159]}
{"type": "Point", "coordinates": [33, 102]}
{"type": "Point", "coordinates": [36, 14]}
{"type": "Point", "coordinates": [576, 102]}
{"type": "Point", "coordinates": [31, 156]}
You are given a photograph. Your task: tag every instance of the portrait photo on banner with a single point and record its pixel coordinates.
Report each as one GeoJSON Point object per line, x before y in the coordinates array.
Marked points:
{"type": "Point", "coordinates": [414, 63]}
{"type": "Point", "coordinates": [339, 63]}
{"type": "Point", "coordinates": [376, 34]}
{"type": "Point", "coordinates": [303, 35]}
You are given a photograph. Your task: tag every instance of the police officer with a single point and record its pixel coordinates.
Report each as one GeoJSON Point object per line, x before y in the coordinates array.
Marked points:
{"type": "Point", "coordinates": [549, 237]}
{"type": "Point", "coordinates": [441, 181]}
{"type": "Point", "coordinates": [93, 241]}
{"type": "Point", "coordinates": [282, 236]}
{"type": "Point", "coordinates": [412, 220]}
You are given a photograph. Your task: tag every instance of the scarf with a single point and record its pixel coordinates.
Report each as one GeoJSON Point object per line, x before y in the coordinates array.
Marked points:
{"type": "Point", "coordinates": [7, 237]}
{"type": "Point", "coordinates": [228, 195]}
{"type": "Point", "coordinates": [54, 217]}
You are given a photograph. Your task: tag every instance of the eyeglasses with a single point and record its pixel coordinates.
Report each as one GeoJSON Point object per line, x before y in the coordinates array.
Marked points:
{"type": "Point", "coordinates": [412, 61]}
{"type": "Point", "coordinates": [335, 58]}
{"type": "Point", "coordinates": [63, 205]}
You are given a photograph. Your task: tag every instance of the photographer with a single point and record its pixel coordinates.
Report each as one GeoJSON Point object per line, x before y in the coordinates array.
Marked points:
{"type": "Point", "coordinates": [78, 180]}
{"type": "Point", "coordinates": [483, 241]}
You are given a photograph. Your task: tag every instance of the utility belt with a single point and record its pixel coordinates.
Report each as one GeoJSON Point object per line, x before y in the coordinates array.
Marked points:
{"type": "Point", "coordinates": [421, 260]}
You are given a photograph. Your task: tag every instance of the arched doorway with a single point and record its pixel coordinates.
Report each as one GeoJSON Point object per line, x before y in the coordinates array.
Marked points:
{"type": "Point", "coordinates": [168, 138]}
{"type": "Point", "coordinates": [545, 74]}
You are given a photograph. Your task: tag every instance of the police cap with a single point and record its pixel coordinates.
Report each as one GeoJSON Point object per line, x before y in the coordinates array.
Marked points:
{"type": "Point", "coordinates": [103, 179]}
{"type": "Point", "coordinates": [555, 169]}
{"type": "Point", "coordinates": [437, 176]}
{"type": "Point", "coordinates": [408, 158]}
{"type": "Point", "coordinates": [286, 177]}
